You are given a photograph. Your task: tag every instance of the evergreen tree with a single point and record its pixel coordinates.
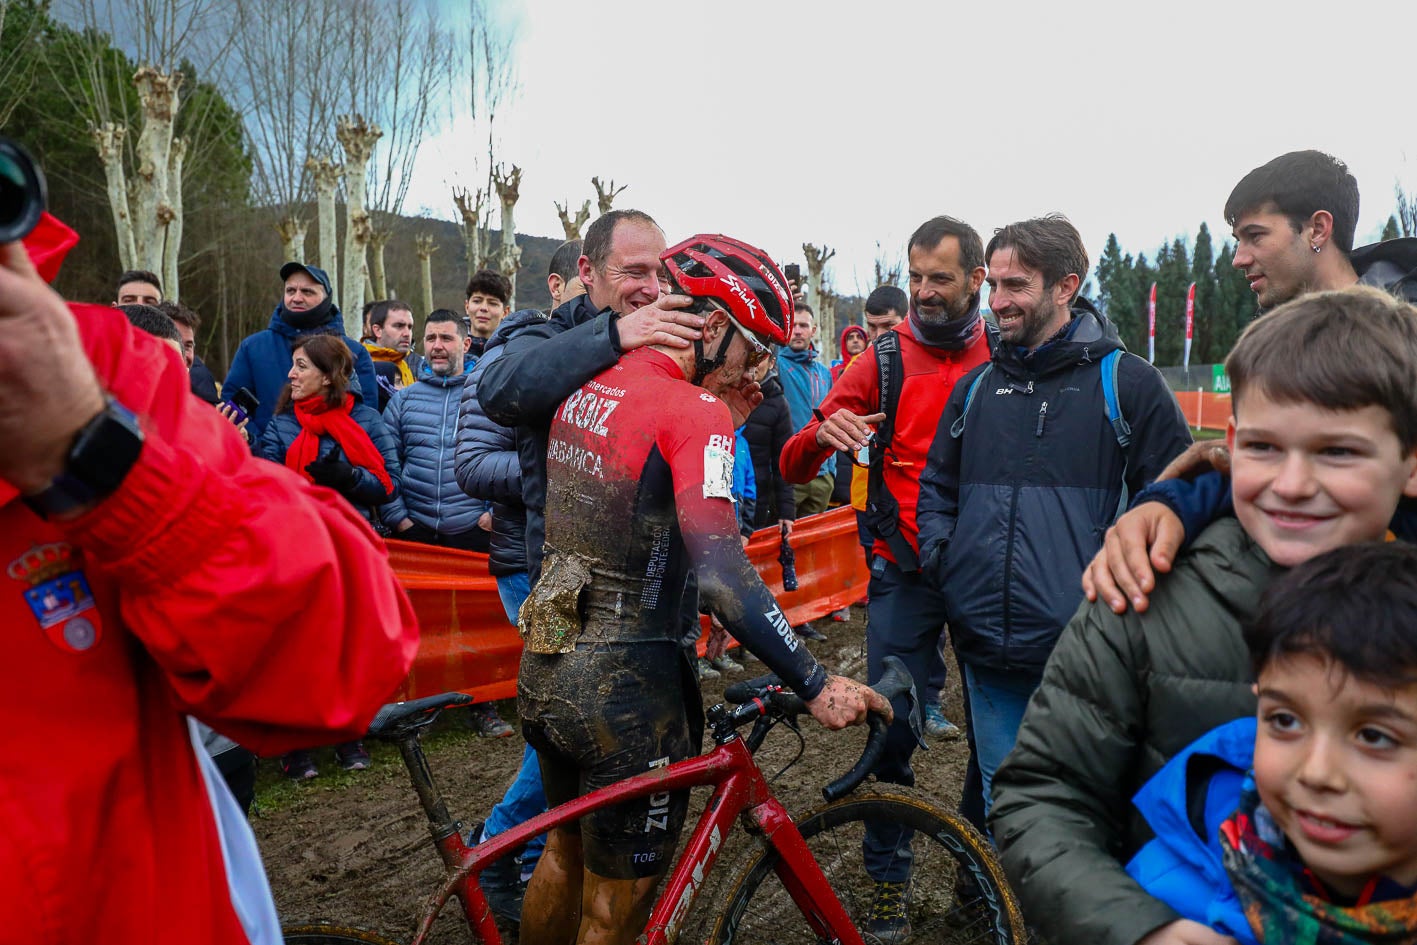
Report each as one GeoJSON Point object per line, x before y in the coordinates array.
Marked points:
{"type": "Point", "coordinates": [1203, 275]}
{"type": "Point", "coordinates": [1234, 305]}
{"type": "Point", "coordinates": [1173, 277]}
{"type": "Point", "coordinates": [1391, 231]}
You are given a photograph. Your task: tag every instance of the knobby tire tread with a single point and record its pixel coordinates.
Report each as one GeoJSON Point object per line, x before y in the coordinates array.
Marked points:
{"type": "Point", "coordinates": [941, 838]}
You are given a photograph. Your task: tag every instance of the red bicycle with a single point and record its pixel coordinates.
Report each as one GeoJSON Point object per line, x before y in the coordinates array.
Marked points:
{"type": "Point", "coordinates": [807, 881]}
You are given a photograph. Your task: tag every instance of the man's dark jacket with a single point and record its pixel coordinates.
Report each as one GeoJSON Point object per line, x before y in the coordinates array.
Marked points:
{"type": "Point", "coordinates": [489, 464]}
{"type": "Point", "coordinates": [1012, 510]}
{"type": "Point", "coordinates": [538, 368]}
{"type": "Point", "coordinates": [767, 429]}
{"type": "Point", "coordinates": [203, 382]}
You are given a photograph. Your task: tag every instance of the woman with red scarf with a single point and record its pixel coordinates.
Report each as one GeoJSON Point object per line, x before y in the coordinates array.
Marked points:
{"type": "Point", "coordinates": [323, 430]}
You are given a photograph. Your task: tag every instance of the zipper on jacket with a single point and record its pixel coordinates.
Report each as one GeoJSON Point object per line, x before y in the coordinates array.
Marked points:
{"type": "Point", "coordinates": [1042, 415]}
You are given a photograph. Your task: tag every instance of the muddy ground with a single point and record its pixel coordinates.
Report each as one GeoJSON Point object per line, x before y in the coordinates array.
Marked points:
{"type": "Point", "coordinates": [354, 848]}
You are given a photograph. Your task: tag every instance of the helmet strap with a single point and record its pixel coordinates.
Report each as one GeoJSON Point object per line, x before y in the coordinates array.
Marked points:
{"type": "Point", "coordinates": [703, 366]}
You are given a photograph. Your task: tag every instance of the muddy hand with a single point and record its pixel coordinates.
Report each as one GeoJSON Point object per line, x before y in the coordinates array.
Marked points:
{"type": "Point", "coordinates": [844, 702]}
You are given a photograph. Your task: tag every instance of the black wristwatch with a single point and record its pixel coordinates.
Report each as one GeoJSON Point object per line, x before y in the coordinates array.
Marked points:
{"type": "Point", "coordinates": [103, 453]}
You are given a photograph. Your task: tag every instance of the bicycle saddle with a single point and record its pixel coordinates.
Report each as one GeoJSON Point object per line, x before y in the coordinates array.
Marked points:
{"type": "Point", "coordinates": [399, 718]}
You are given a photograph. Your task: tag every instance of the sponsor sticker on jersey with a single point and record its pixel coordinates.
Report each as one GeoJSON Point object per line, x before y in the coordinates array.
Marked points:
{"type": "Point", "coordinates": [718, 473]}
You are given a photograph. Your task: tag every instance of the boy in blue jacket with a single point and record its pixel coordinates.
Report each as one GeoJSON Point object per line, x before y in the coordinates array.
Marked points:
{"type": "Point", "coordinates": [1301, 825]}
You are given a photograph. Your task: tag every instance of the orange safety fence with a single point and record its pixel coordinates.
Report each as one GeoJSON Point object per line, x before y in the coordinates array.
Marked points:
{"type": "Point", "coordinates": [467, 644]}
{"type": "Point", "coordinates": [1204, 411]}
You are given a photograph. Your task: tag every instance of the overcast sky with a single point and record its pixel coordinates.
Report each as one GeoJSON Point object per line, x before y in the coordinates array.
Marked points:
{"type": "Point", "coordinates": [845, 124]}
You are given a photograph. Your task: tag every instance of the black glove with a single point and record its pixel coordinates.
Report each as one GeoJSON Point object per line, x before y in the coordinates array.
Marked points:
{"type": "Point", "coordinates": [331, 470]}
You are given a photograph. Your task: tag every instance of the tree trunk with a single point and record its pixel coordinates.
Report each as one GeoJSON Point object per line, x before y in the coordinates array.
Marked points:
{"type": "Point", "coordinates": [171, 288]}
{"type": "Point", "coordinates": [292, 238]}
{"type": "Point", "coordinates": [327, 174]}
{"type": "Point", "coordinates": [153, 211]}
{"type": "Point", "coordinates": [507, 192]}
{"type": "Point", "coordinates": [470, 210]}
{"type": "Point", "coordinates": [108, 141]}
{"type": "Point", "coordinates": [357, 137]}
{"type": "Point", "coordinates": [816, 268]}
{"type": "Point", "coordinates": [425, 247]}
{"type": "Point", "coordinates": [378, 239]}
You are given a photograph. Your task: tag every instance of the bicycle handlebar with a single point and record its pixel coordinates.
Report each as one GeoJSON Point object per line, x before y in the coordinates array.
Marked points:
{"type": "Point", "coordinates": [895, 681]}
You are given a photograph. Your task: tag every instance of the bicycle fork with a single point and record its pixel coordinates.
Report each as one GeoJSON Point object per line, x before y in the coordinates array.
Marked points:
{"type": "Point", "coordinates": [802, 876]}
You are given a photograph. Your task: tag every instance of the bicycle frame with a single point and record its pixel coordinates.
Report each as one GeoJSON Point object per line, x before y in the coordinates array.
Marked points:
{"type": "Point", "coordinates": [739, 789]}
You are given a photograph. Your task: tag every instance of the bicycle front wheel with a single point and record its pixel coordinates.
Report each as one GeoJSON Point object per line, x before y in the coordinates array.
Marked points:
{"type": "Point", "coordinates": [956, 893]}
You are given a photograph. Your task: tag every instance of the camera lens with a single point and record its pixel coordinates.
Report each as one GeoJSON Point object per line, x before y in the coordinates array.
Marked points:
{"type": "Point", "coordinates": [21, 192]}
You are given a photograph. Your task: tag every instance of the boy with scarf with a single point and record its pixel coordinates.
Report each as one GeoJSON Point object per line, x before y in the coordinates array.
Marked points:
{"type": "Point", "coordinates": [261, 362]}
{"type": "Point", "coordinates": [1309, 824]}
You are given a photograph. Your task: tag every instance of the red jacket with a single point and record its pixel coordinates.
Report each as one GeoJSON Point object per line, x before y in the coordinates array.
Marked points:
{"type": "Point", "coordinates": [211, 583]}
{"type": "Point", "coordinates": [928, 376]}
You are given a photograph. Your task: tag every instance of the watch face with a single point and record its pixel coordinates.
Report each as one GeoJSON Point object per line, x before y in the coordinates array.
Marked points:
{"type": "Point", "coordinates": [106, 449]}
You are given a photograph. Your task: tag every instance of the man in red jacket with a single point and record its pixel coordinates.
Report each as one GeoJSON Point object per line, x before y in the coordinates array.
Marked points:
{"type": "Point", "coordinates": [942, 339]}
{"type": "Point", "coordinates": [154, 569]}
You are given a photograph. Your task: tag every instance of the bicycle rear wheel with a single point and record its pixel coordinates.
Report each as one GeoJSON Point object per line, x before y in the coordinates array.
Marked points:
{"type": "Point", "coordinates": [945, 854]}
{"type": "Point", "coordinates": [328, 934]}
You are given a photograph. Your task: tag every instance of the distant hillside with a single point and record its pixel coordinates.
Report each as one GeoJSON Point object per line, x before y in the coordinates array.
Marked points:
{"type": "Point", "coordinates": [450, 264]}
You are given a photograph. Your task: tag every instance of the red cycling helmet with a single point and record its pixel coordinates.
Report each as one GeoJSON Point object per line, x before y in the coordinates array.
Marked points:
{"type": "Point", "coordinates": [741, 278]}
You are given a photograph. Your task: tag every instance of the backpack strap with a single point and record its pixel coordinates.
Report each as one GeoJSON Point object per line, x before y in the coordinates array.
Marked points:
{"type": "Point", "coordinates": [957, 428]}
{"type": "Point", "coordinates": [1120, 428]}
{"type": "Point", "coordinates": [882, 509]}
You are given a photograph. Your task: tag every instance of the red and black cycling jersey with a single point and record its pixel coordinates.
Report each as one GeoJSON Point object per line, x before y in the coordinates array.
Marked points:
{"type": "Point", "coordinates": [639, 488]}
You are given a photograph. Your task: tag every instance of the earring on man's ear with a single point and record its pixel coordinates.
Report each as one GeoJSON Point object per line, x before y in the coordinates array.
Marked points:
{"type": "Point", "coordinates": [1314, 247]}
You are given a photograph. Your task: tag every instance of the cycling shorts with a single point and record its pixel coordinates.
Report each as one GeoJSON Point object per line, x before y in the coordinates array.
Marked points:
{"type": "Point", "coordinates": [597, 716]}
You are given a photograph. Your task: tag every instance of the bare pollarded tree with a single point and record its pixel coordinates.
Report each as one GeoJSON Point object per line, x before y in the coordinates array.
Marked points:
{"type": "Point", "coordinates": [508, 184]}
{"type": "Point", "coordinates": [424, 246]}
{"type": "Point", "coordinates": [817, 260]}
{"type": "Point", "coordinates": [572, 225]}
{"type": "Point", "coordinates": [486, 70]}
{"type": "Point", "coordinates": [143, 159]}
{"type": "Point", "coordinates": [413, 75]}
{"type": "Point", "coordinates": [289, 109]}
{"type": "Point", "coordinates": [327, 174]}
{"type": "Point", "coordinates": [358, 137]}
{"type": "Point", "coordinates": [605, 193]}
{"type": "Point", "coordinates": [472, 216]}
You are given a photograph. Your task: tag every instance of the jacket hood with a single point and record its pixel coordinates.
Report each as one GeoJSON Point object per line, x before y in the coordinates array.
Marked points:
{"type": "Point", "coordinates": [47, 245]}
{"type": "Point", "coordinates": [771, 386]}
{"type": "Point", "coordinates": [801, 357]}
{"type": "Point", "coordinates": [1390, 265]}
{"type": "Point", "coordinates": [845, 333]}
{"type": "Point", "coordinates": [1090, 336]}
{"type": "Point", "coordinates": [521, 317]}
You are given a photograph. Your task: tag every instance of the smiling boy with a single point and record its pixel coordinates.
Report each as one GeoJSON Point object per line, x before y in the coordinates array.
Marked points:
{"type": "Point", "coordinates": [1322, 834]}
{"type": "Point", "coordinates": [1324, 442]}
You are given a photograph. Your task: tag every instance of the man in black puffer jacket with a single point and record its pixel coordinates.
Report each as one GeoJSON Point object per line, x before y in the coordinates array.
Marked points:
{"type": "Point", "coordinates": [1026, 472]}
